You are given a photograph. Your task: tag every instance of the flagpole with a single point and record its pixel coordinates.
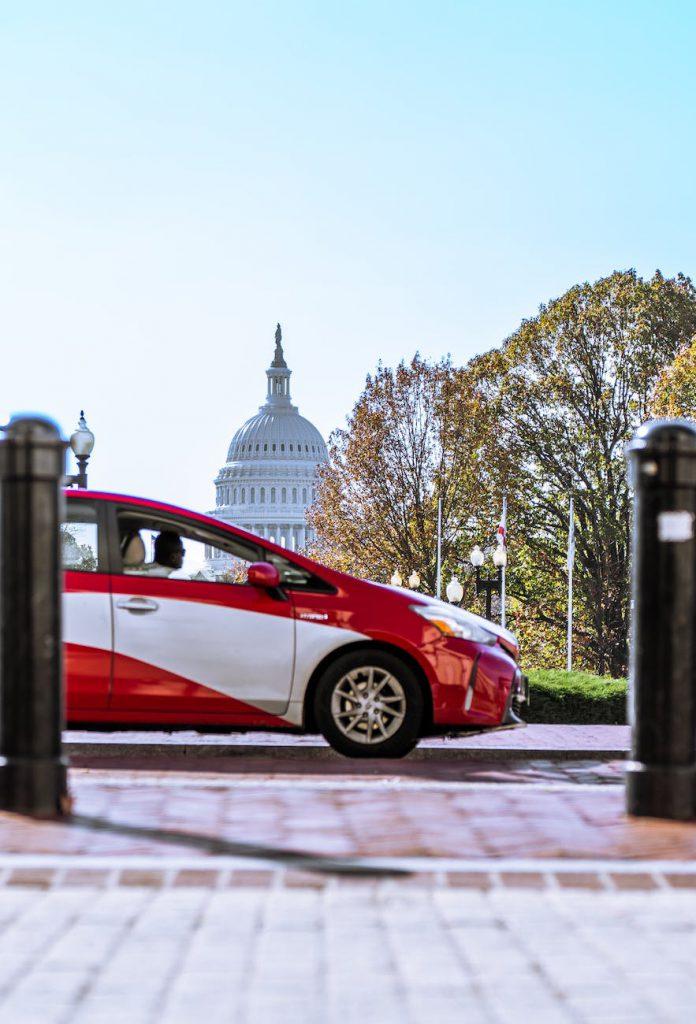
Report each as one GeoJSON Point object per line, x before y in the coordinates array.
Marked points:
{"type": "Point", "coordinates": [502, 574]}
{"type": "Point", "coordinates": [439, 549]}
{"type": "Point", "coordinates": [571, 558]}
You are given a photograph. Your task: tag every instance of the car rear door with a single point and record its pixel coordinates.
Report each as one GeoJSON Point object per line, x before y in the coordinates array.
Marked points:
{"type": "Point", "coordinates": [86, 608]}
{"type": "Point", "coordinates": [186, 643]}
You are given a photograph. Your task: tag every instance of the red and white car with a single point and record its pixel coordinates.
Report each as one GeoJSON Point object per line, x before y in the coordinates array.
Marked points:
{"type": "Point", "coordinates": [281, 642]}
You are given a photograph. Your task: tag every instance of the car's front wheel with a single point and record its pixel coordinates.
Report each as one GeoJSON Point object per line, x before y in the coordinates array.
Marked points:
{"type": "Point", "coordinates": [369, 704]}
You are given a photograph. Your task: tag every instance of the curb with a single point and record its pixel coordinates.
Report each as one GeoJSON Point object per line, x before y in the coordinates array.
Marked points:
{"type": "Point", "coordinates": [83, 753]}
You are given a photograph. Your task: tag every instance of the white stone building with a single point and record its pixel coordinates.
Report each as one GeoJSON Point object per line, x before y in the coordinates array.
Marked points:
{"type": "Point", "coordinates": [269, 478]}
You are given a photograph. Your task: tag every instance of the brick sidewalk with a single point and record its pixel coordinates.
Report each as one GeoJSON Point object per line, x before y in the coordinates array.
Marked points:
{"type": "Point", "coordinates": [346, 956]}
{"type": "Point", "coordinates": [282, 818]}
{"type": "Point", "coordinates": [479, 893]}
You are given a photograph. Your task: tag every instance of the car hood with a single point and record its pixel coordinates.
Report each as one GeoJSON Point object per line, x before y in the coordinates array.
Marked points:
{"type": "Point", "coordinates": [492, 627]}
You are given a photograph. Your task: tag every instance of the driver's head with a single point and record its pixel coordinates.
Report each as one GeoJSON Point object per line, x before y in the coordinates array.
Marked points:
{"type": "Point", "coordinates": [169, 550]}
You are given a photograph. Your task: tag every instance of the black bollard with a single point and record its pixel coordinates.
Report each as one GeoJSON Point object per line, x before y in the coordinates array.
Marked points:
{"type": "Point", "coordinates": [661, 778]}
{"type": "Point", "coordinates": [33, 777]}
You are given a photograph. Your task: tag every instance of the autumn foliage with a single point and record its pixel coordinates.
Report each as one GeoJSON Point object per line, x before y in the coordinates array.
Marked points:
{"type": "Point", "coordinates": [543, 417]}
{"type": "Point", "coordinates": [418, 433]}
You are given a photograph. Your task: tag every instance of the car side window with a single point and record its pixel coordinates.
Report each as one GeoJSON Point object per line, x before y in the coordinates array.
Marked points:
{"type": "Point", "coordinates": [170, 548]}
{"type": "Point", "coordinates": [79, 537]}
{"type": "Point", "coordinates": [177, 549]}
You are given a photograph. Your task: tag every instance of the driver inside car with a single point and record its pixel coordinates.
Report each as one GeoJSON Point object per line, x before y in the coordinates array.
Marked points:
{"type": "Point", "coordinates": [168, 554]}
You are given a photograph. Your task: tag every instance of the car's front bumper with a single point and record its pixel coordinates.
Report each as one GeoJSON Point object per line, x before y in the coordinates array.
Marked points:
{"type": "Point", "coordinates": [520, 691]}
{"type": "Point", "coordinates": [517, 699]}
{"type": "Point", "coordinates": [474, 684]}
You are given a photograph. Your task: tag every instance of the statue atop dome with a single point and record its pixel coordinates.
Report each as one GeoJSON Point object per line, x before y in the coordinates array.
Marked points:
{"type": "Point", "coordinates": [278, 358]}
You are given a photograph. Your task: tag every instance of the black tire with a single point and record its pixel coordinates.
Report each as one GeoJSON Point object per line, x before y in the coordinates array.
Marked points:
{"type": "Point", "coordinates": [346, 682]}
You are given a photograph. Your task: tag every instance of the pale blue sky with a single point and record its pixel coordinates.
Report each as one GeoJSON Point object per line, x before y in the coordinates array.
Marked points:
{"type": "Point", "coordinates": [380, 177]}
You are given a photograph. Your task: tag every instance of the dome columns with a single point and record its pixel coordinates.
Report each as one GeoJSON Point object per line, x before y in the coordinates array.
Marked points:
{"type": "Point", "coordinates": [278, 386]}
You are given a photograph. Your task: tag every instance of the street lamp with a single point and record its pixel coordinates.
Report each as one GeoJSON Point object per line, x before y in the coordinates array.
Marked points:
{"type": "Point", "coordinates": [454, 591]}
{"type": "Point", "coordinates": [82, 443]}
{"type": "Point", "coordinates": [476, 556]}
{"type": "Point", "coordinates": [489, 586]}
{"type": "Point", "coordinates": [500, 557]}
{"type": "Point", "coordinates": [414, 580]}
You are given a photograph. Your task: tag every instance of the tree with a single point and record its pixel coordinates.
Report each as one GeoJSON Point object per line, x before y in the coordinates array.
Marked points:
{"type": "Point", "coordinates": [571, 385]}
{"type": "Point", "coordinates": [545, 416]}
{"type": "Point", "coordinates": [675, 394]}
{"type": "Point", "coordinates": [416, 433]}
{"type": "Point", "coordinates": [75, 555]}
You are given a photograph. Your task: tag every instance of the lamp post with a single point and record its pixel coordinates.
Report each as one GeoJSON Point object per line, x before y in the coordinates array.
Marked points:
{"type": "Point", "coordinates": [489, 586]}
{"type": "Point", "coordinates": [82, 443]}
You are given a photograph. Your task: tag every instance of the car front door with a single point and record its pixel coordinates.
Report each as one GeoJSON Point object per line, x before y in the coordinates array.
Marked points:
{"type": "Point", "coordinates": [86, 609]}
{"type": "Point", "coordinates": [188, 644]}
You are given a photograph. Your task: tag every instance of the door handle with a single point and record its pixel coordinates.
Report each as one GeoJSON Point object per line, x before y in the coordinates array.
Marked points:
{"type": "Point", "coordinates": [138, 604]}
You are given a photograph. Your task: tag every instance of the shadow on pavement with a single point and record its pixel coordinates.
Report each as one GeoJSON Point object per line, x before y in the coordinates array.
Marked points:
{"type": "Point", "coordinates": [214, 845]}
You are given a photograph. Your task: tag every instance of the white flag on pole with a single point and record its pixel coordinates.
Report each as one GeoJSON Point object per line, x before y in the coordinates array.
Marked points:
{"type": "Point", "coordinates": [571, 559]}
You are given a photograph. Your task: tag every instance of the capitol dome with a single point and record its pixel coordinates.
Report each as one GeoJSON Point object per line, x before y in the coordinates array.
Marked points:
{"type": "Point", "coordinates": [276, 433]}
{"type": "Point", "coordinates": [269, 478]}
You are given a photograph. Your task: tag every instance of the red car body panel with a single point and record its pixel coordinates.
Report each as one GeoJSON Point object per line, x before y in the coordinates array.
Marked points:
{"type": "Point", "coordinates": [149, 693]}
{"type": "Point", "coordinates": [206, 647]}
{"type": "Point", "coordinates": [88, 676]}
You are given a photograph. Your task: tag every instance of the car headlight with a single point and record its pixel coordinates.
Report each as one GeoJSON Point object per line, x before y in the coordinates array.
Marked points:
{"type": "Point", "coordinates": [452, 625]}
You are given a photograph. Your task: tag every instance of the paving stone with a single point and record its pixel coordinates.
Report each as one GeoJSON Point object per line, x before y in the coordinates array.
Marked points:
{"type": "Point", "coordinates": [523, 879]}
{"type": "Point", "coordinates": [139, 877]}
{"type": "Point", "coordinates": [304, 880]}
{"type": "Point", "coordinates": [33, 878]}
{"type": "Point", "coordinates": [680, 881]}
{"type": "Point", "coordinates": [90, 877]}
{"type": "Point", "coordinates": [242, 878]}
{"type": "Point", "coordinates": [633, 881]}
{"type": "Point", "coordinates": [195, 878]}
{"type": "Point", "coordinates": [469, 880]}
{"type": "Point", "coordinates": [578, 880]}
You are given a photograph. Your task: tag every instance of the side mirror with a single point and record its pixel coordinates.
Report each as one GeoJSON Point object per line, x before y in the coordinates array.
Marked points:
{"type": "Point", "coordinates": [263, 574]}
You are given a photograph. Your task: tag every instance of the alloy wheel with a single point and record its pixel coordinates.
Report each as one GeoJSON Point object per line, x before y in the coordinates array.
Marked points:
{"type": "Point", "coordinates": [368, 704]}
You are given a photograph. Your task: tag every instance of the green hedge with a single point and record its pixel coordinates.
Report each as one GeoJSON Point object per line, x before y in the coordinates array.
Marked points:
{"type": "Point", "coordinates": [575, 698]}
